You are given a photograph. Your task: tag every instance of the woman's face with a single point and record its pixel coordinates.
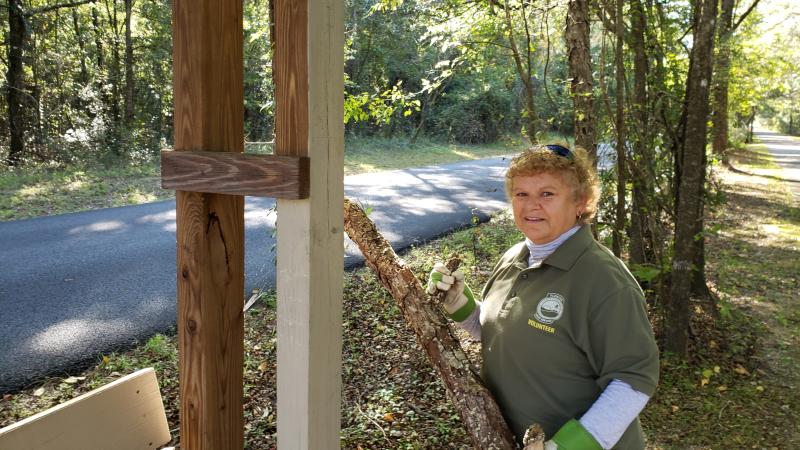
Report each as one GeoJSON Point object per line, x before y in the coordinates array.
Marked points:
{"type": "Point", "coordinates": [544, 206]}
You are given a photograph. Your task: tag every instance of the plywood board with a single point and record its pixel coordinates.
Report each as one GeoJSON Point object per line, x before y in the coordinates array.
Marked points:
{"type": "Point", "coordinates": [125, 414]}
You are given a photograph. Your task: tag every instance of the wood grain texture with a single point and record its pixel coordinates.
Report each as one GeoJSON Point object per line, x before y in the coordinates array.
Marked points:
{"type": "Point", "coordinates": [290, 71]}
{"type": "Point", "coordinates": [126, 414]}
{"type": "Point", "coordinates": [309, 107]}
{"type": "Point", "coordinates": [235, 174]}
{"type": "Point", "coordinates": [209, 113]}
{"type": "Point", "coordinates": [476, 406]}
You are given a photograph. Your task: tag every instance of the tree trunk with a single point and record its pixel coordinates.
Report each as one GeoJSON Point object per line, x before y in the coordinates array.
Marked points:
{"type": "Point", "coordinates": [525, 72]}
{"type": "Point", "coordinates": [114, 74]}
{"type": "Point", "coordinates": [619, 225]}
{"type": "Point", "coordinates": [479, 413]}
{"type": "Point", "coordinates": [580, 71]}
{"type": "Point", "coordinates": [128, 118]}
{"type": "Point", "coordinates": [84, 75]}
{"type": "Point", "coordinates": [643, 212]}
{"type": "Point", "coordinates": [722, 70]}
{"type": "Point", "coordinates": [16, 86]}
{"type": "Point", "coordinates": [98, 43]}
{"type": "Point", "coordinates": [690, 206]}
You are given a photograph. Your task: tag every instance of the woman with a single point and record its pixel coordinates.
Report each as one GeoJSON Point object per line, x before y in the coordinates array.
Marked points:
{"type": "Point", "coordinates": [566, 342]}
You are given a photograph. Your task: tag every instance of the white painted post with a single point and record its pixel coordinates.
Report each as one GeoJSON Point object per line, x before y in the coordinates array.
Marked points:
{"type": "Point", "coordinates": [310, 232]}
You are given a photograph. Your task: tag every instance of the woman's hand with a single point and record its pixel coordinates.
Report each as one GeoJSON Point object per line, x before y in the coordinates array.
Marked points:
{"type": "Point", "coordinates": [458, 302]}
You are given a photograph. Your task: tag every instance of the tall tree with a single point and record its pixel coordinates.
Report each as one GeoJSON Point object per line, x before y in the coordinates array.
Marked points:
{"type": "Point", "coordinates": [621, 144]}
{"type": "Point", "coordinates": [580, 72]}
{"type": "Point", "coordinates": [524, 64]}
{"type": "Point", "coordinates": [16, 91]}
{"type": "Point", "coordinates": [643, 211]}
{"type": "Point", "coordinates": [722, 71]}
{"type": "Point", "coordinates": [128, 117]}
{"type": "Point", "coordinates": [691, 161]}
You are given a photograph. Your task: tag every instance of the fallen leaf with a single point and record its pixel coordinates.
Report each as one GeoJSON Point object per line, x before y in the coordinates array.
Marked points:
{"type": "Point", "coordinates": [675, 408]}
{"type": "Point", "coordinates": [70, 380]}
{"type": "Point", "coordinates": [712, 344]}
{"type": "Point", "coordinates": [760, 388]}
{"type": "Point", "coordinates": [722, 388]}
{"type": "Point", "coordinates": [716, 369]}
{"type": "Point", "coordinates": [741, 370]}
{"type": "Point", "coordinates": [703, 382]}
{"type": "Point", "coordinates": [38, 392]}
{"type": "Point", "coordinates": [698, 310]}
{"type": "Point", "coordinates": [7, 397]}
{"type": "Point", "coordinates": [389, 417]}
{"type": "Point", "coordinates": [106, 360]}
{"type": "Point", "coordinates": [263, 366]}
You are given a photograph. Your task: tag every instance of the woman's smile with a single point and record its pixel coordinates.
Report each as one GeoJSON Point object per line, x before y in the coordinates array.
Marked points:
{"type": "Point", "coordinates": [544, 206]}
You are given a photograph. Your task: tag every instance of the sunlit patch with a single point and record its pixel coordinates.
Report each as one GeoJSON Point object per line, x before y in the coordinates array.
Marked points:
{"type": "Point", "coordinates": [75, 185]}
{"type": "Point", "coordinates": [138, 196]}
{"type": "Point", "coordinates": [463, 154]}
{"type": "Point", "coordinates": [771, 229]}
{"type": "Point", "coordinates": [109, 225]}
{"type": "Point", "coordinates": [363, 167]}
{"type": "Point", "coordinates": [58, 338]}
{"type": "Point", "coordinates": [32, 191]}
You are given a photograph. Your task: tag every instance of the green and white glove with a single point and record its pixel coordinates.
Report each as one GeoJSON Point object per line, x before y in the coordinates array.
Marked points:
{"type": "Point", "coordinates": [459, 302]}
{"type": "Point", "coordinates": [572, 436]}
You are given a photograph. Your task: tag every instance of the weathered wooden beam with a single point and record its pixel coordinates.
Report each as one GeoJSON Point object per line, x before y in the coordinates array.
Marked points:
{"type": "Point", "coordinates": [235, 173]}
{"type": "Point", "coordinates": [309, 122]}
{"type": "Point", "coordinates": [209, 113]}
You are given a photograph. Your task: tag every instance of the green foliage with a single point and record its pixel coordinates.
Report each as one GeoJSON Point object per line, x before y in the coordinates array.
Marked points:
{"type": "Point", "coordinates": [474, 113]}
{"type": "Point", "coordinates": [380, 107]}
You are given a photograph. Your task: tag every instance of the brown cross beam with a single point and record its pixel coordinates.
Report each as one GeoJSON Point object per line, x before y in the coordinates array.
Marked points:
{"type": "Point", "coordinates": [275, 176]}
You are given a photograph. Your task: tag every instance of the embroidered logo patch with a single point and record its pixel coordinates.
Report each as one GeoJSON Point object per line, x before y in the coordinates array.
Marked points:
{"type": "Point", "coordinates": [550, 308]}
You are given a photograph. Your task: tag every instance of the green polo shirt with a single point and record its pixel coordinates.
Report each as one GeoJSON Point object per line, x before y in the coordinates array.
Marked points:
{"type": "Point", "coordinates": [553, 337]}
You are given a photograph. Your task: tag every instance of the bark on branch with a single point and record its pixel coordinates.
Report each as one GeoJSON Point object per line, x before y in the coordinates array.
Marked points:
{"type": "Point", "coordinates": [479, 412]}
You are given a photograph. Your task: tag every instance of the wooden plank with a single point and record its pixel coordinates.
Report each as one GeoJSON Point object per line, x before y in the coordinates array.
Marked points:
{"type": "Point", "coordinates": [309, 95]}
{"type": "Point", "coordinates": [235, 173]}
{"type": "Point", "coordinates": [125, 414]}
{"type": "Point", "coordinates": [209, 114]}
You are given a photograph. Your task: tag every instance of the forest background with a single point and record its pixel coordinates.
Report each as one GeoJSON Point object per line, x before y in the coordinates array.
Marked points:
{"type": "Point", "coordinates": [671, 88]}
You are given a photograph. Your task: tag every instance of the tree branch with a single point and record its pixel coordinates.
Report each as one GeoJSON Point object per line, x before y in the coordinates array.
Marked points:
{"type": "Point", "coordinates": [744, 15]}
{"type": "Point", "coordinates": [49, 8]}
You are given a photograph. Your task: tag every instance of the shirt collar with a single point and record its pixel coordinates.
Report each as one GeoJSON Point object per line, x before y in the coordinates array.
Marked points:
{"type": "Point", "coordinates": [565, 256]}
{"type": "Point", "coordinates": [568, 253]}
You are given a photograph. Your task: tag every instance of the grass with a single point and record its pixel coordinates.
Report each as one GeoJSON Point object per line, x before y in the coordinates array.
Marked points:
{"type": "Point", "coordinates": [38, 192]}
{"type": "Point", "coordinates": [44, 191]}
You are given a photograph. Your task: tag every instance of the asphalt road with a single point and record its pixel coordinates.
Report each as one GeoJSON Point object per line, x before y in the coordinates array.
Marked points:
{"type": "Point", "coordinates": [76, 286]}
{"type": "Point", "coordinates": [786, 152]}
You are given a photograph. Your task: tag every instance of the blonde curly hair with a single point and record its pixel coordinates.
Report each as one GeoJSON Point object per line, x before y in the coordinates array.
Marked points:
{"type": "Point", "coordinates": [576, 169]}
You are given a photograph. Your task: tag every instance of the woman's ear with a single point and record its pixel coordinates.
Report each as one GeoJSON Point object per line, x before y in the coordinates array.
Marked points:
{"type": "Point", "coordinates": [581, 208]}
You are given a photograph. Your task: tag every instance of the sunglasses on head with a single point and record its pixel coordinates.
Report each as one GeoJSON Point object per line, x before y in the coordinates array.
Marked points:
{"type": "Point", "coordinates": [560, 151]}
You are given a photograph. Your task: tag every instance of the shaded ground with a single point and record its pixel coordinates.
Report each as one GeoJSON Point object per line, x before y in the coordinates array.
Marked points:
{"type": "Point", "coordinates": [740, 389]}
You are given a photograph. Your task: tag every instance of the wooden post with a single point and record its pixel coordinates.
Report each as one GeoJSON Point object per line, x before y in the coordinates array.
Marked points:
{"type": "Point", "coordinates": [209, 104]}
{"type": "Point", "coordinates": [308, 70]}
